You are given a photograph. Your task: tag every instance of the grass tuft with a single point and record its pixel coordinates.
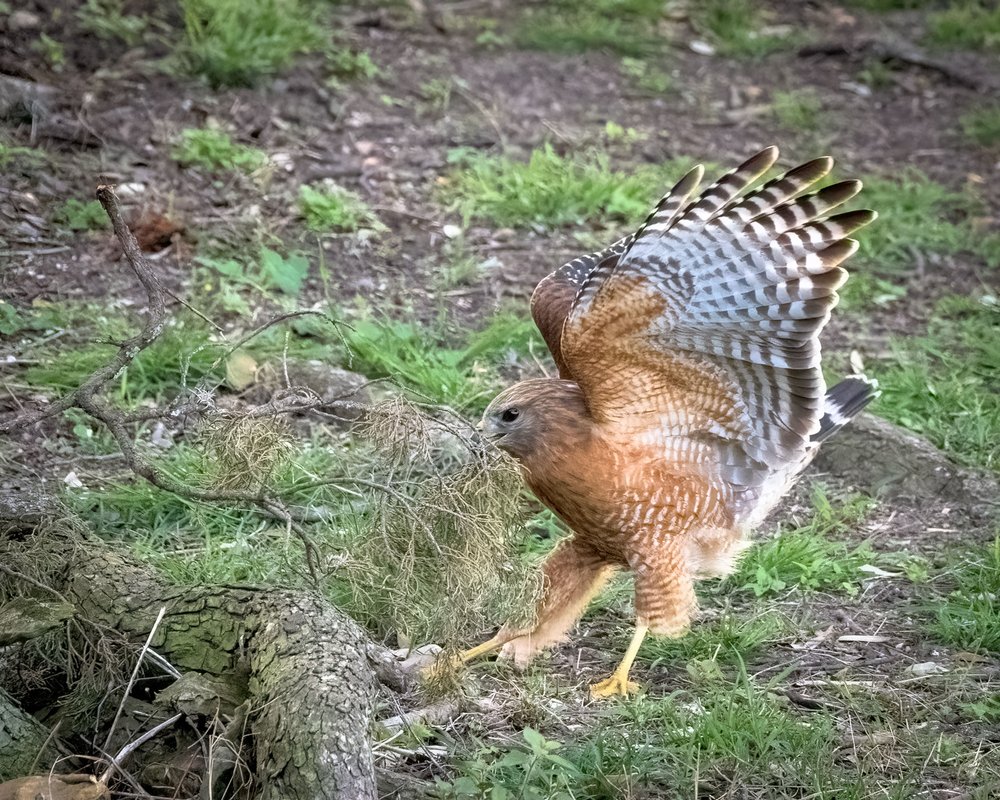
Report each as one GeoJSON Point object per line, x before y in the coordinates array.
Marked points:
{"type": "Point", "coordinates": [972, 24]}
{"type": "Point", "coordinates": [945, 385]}
{"type": "Point", "coordinates": [918, 219]}
{"type": "Point", "coordinates": [799, 110]}
{"type": "Point", "coordinates": [234, 43]}
{"type": "Point", "coordinates": [890, 5]}
{"type": "Point", "coordinates": [624, 27]}
{"type": "Point", "coordinates": [78, 215]}
{"type": "Point", "coordinates": [969, 617]}
{"type": "Point", "coordinates": [107, 19]}
{"type": "Point", "coordinates": [461, 377]}
{"type": "Point", "coordinates": [333, 208]}
{"type": "Point", "coordinates": [734, 27]}
{"type": "Point", "coordinates": [804, 557]}
{"type": "Point", "coordinates": [646, 76]}
{"type": "Point", "coordinates": [213, 149]}
{"type": "Point", "coordinates": [982, 126]}
{"type": "Point", "coordinates": [727, 738]}
{"type": "Point", "coordinates": [729, 639]}
{"type": "Point", "coordinates": [918, 215]}
{"type": "Point", "coordinates": [553, 190]}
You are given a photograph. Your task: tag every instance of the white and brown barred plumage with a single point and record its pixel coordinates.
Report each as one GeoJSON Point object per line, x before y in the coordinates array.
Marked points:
{"type": "Point", "coordinates": [689, 396]}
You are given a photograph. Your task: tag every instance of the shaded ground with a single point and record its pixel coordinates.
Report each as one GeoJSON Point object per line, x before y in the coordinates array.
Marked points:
{"type": "Point", "coordinates": [852, 653]}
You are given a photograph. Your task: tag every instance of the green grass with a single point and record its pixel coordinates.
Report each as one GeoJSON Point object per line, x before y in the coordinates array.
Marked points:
{"type": "Point", "coordinates": [646, 76]}
{"type": "Point", "coordinates": [982, 126]}
{"type": "Point", "coordinates": [78, 215]}
{"type": "Point", "coordinates": [234, 43]}
{"type": "Point", "coordinates": [214, 150]}
{"type": "Point", "coordinates": [23, 158]}
{"type": "Point", "coordinates": [194, 543]}
{"type": "Point", "coordinates": [107, 19]}
{"type": "Point", "coordinates": [919, 215]}
{"type": "Point", "coordinates": [51, 50]}
{"type": "Point", "coordinates": [550, 189]}
{"type": "Point", "coordinates": [945, 385]}
{"type": "Point", "coordinates": [864, 290]}
{"type": "Point", "coordinates": [919, 219]}
{"type": "Point", "coordinates": [806, 558]}
{"type": "Point", "coordinates": [729, 639]}
{"type": "Point", "coordinates": [346, 64]}
{"type": "Point", "coordinates": [969, 24]}
{"type": "Point", "coordinates": [734, 27]}
{"type": "Point", "coordinates": [335, 209]}
{"type": "Point", "coordinates": [800, 110]}
{"type": "Point", "coordinates": [624, 27]}
{"type": "Point", "coordinates": [463, 377]}
{"type": "Point", "coordinates": [157, 372]}
{"type": "Point", "coordinates": [876, 74]}
{"type": "Point", "coordinates": [969, 616]}
{"type": "Point", "coordinates": [726, 738]}
{"type": "Point", "coordinates": [184, 354]}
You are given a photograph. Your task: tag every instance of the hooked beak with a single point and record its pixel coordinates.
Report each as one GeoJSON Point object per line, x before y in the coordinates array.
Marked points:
{"type": "Point", "coordinates": [487, 430]}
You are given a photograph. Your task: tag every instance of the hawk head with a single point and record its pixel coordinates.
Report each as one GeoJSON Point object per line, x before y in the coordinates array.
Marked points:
{"type": "Point", "coordinates": [535, 414]}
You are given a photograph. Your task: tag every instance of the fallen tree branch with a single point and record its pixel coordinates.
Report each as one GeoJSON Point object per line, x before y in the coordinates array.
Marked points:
{"type": "Point", "coordinates": [905, 53]}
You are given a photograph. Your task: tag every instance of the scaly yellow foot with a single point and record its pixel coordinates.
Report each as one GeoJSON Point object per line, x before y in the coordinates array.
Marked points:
{"type": "Point", "coordinates": [618, 685]}
{"type": "Point", "coordinates": [615, 686]}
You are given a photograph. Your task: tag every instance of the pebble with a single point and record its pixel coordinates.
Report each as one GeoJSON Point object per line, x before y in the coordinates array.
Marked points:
{"type": "Point", "coordinates": [23, 21]}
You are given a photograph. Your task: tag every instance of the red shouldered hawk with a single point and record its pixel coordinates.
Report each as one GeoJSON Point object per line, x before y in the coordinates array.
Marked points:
{"type": "Point", "coordinates": [689, 395]}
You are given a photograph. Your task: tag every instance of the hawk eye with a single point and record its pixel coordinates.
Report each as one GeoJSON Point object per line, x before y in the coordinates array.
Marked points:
{"type": "Point", "coordinates": [510, 414]}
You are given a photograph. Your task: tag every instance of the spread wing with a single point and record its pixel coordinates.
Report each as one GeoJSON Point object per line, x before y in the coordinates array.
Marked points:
{"type": "Point", "coordinates": [702, 335]}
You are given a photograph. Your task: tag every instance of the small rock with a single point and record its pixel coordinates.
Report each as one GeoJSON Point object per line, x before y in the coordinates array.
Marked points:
{"type": "Point", "coordinates": [72, 481]}
{"type": "Point", "coordinates": [451, 231]}
{"type": "Point", "coordinates": [860, 89]}
{"type": "Point", "coordinates": [23, 21]}
{"type": "Point", "coordinates": [702, 48]}
{"type": "Point", "coordinates": [283, 161]}
{"type": "Point", "coordinates": [131, 191]}
{"type": "Point", "coordinates": [927, 668]}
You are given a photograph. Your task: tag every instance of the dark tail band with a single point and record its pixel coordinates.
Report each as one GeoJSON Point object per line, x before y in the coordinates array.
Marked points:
{"type": "Point", "coordinates": [843, 402]}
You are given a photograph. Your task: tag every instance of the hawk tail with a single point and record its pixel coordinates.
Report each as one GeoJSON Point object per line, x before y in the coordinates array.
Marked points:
{"type": "Point", "coordinates": [843, 402]}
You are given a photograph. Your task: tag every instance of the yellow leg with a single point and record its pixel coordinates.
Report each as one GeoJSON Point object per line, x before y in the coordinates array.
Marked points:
{"type": "Point", "coordinates": [444, 666]}
{"type": "Point", "coordinates": [618, 683]}
{"type": "Point", "coordinates": [489, 646]}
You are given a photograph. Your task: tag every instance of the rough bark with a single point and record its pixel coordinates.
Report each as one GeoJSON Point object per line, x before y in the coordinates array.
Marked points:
{"type": "Point", "coordinates": [309, 678]}
{"type": "Point", "coordinates": [23, 740]}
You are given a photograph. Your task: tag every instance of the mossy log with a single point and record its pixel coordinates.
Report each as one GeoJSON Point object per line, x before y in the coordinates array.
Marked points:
{"type": "Point", "coordinates": [309, 677]}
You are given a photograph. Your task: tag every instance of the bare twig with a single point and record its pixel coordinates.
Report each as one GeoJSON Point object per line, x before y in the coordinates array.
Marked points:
{"type": "Point", "coordinates": [135, 674]}
{"type": "Point", "coordinates": [128, 749]}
